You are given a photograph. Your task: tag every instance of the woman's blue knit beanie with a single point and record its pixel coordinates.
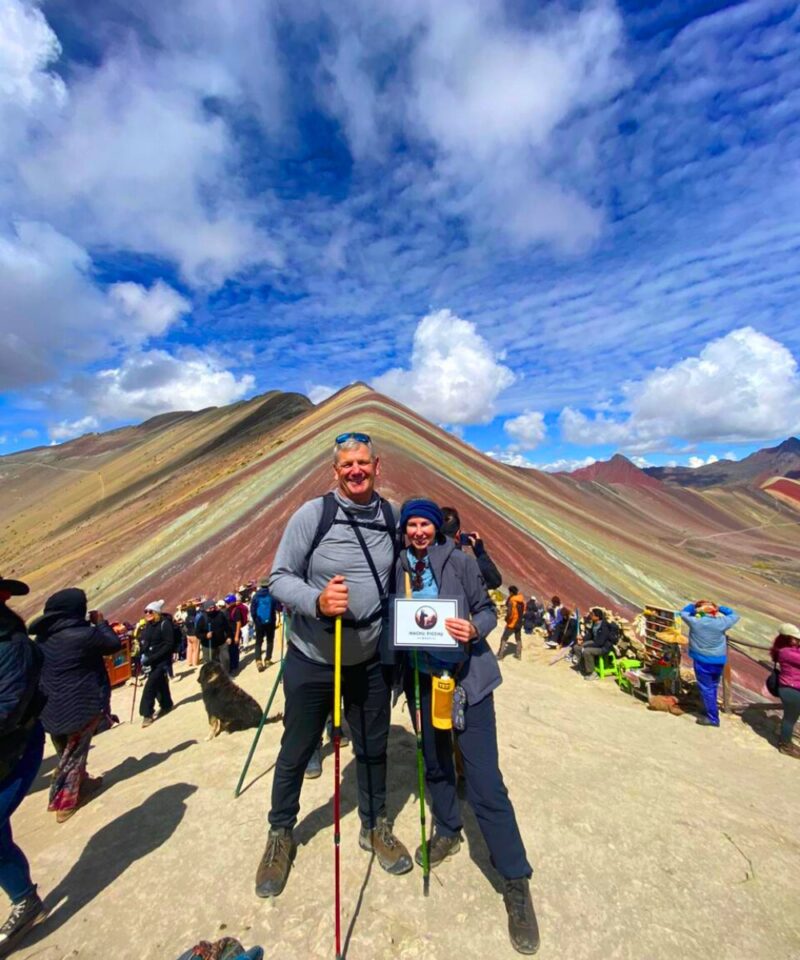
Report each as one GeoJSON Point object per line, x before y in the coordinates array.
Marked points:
{"type": "Point", "coordinates": [421, 508]}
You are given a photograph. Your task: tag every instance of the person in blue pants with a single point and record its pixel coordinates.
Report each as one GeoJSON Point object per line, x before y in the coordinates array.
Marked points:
{"type": "Point", "coordinates": [708, 624]}
{"type": "Point", "coordinates": [21, 748]}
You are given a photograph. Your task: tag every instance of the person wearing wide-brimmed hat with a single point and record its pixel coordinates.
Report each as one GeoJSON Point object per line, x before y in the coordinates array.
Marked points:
{"type": "Point", "coordinates": [21, 748]}
{"type": "Point", "coordinates": [76, 684]}
{"type": "Point", "coordinates": [786, 654]}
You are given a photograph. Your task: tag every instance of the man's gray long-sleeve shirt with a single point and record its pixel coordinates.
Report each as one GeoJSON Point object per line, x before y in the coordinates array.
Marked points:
{"type": "Point", "coordinates": [339, 552]}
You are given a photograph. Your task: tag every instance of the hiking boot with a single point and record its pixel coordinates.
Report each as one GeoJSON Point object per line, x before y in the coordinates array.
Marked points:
{"type": "Point", "coordinates": [314, 768]}
{"type": "Point", "coordinates": [590, 676]}
{"type": "Point", "coordinates": [391, 854]}
{"type": "Point", "coordinates": [705, 722]}
{"type": "Point", "coordinates": [440, 848]}
{"type": "Point", "coordinates": [147, 721]}
{"type": "Point", "coordinates": [523, 930]}
{"type": "Point", "coordinates": [261, 666]}
{"type": "Point", "coordinates": [789, 749]}
{"type": "Point", "coordinates": [273, 871]}
{"type": "Point", "coordinates": [23, 916]}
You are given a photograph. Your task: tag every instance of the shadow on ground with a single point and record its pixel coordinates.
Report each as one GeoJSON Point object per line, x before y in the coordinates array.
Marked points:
{"type": "Point", "coordinates": [110, 852]}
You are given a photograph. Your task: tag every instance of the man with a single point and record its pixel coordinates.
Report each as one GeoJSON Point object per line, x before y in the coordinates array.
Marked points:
{"type": "Point", "coordinates": [322, 574]}
{"type": "Point", "coordinates": [452, 528]}
{"type": "Point", "coordinates": [515, 609]}
{"type": "Point", "coordinates": [21, 748]}
{"type": "Point", "coordinates": [596, 642]}
{"type": "Point", "coordinates": [157, 646]}
{"type": "Point", "coordinates": [237, 614]}
{"type": "Point", "coordinates": [263, 610]}
{"type": "Point", "coordinates": [214, 630]}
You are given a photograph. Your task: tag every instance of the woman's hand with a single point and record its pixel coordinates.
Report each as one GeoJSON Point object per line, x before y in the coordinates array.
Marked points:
{"type": "Point", "coordinates": [461, 630]}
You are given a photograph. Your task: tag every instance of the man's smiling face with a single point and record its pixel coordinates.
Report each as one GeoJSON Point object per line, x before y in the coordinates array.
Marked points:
{"type": "Point", "coordinates": [356, 471]}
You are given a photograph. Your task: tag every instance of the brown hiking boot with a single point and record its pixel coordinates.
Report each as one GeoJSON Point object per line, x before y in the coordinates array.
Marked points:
{"type": "Point", "coordinates": [273, 871]}
{"type": "Point", "coordinates": [261, 666]}
{"type": "Point", "coordinates": [391, 854]}
{"type": "Point", "coordinates": [440, 849]}
{"type": "Point", "coordinates": [523, 930]}
{"type": "Point", "coordinates": [789, 749]}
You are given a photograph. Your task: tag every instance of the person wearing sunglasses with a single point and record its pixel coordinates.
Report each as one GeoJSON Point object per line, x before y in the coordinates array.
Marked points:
{"type": "Point", "coordinates": [435, 567]}
{"type": "Point", "coordinates": [335, 559]}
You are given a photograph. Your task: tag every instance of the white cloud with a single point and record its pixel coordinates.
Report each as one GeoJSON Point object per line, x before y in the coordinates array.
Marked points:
{"type": "Point", "coordinates": [742, 386]}
{"type": "Point", "coordinates": [67, 429]}
{"type": "Point", "coordinates": [53, 315]}
{"type": "Point", "coordinates": [27, 47]}
{"type": "Point", "coordinates": [320, 392]}
{"type": "Point", "coordinates": [695, 462]}
{"type": "Point", "coordinates": [454, 375]}
{"type": "Point", "coordinates": [528, 429]}
{"type": "Point", "coordinates": [488, 97]}
{"type": "Point", "coordinates": [641, 462]}
{"type": "Point", "coordinates": [150, 382]}
{"type": "Point", "coordinates": [565, 465]}
{"type": "Point", "coordinates": [151, 312]}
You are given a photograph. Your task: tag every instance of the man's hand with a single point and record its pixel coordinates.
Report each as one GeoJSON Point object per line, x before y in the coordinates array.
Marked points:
{"type": "Point", "coordinates": [461, 630]}
{"type": "Point", "coordinates": [332, 602]}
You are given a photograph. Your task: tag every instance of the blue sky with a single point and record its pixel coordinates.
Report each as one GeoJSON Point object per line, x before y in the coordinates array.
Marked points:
{"type": "Point", "coordinates": [560, 230]}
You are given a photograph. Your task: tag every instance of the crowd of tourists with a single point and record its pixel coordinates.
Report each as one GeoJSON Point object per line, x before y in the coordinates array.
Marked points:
{"type": "Point", "coordinates": [342, 556]}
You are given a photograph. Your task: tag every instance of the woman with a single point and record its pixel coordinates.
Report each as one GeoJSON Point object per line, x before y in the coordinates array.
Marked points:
{"type": "Point", "coordinates": [157, 646]}
{"type": "Point", "coordinates": [708, 648]}
{"type": "Point", "coordinates": [431, 565]}
{"type": "Point", "coordinates": [21, 748]}
{"type": "Point", "coordinates": [786, 654]}
{"type": "Point", "coordinates": [192, 640]}
{"type": "Point", "coordinates": [78, 692]}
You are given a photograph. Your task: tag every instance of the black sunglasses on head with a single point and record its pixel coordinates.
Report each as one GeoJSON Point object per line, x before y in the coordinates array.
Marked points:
{"type": "Point", "coordinates": [361, 437]}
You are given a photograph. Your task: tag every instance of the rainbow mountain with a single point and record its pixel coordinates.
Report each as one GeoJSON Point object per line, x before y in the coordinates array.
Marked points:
{"type": "Point", "coordinates": [194, 503]}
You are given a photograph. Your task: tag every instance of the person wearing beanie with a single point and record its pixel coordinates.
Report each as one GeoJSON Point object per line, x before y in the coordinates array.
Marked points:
{"type": "Point", "coordinates": [75, 683]}
{"type": "Point", "coordinates": [21, 749]}
{"type": "Point", "coordinates": [335, 559]}
{"type": "Point", "coordinates": [430, 566]}
{"type": "Point", "coordinates": [785, 653]}
{"type": "Point", "coordinates": [157, 644]}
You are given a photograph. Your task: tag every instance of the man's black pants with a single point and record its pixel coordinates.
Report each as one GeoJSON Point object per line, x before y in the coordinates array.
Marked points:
{"type": "Point", "coordinates": [156, 688]}
{"type": "Point", "coordinates": [264, 630]}
{"type": "Point", "coordinates": [308, 691]}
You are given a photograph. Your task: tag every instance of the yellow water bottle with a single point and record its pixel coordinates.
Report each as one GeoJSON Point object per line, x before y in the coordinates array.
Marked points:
{"type": "Point", "coordinates": [442, 689]}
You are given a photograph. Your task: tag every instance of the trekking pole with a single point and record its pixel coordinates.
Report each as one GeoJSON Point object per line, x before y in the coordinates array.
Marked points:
{"type": "Point", "coordinates": [337, 737]}
{"type": "Point", "coordinates": [135, 688]}
{"type": "Point", "coordinates": [264, 716]}
{"type": "Point", "coordinates": [426, 867]}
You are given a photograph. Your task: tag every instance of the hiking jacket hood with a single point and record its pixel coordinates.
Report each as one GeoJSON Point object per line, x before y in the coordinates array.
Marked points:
{"type": "Point", "coordinates": [74, 677]}
{"type": "Point", "coordinates": [458, 576]}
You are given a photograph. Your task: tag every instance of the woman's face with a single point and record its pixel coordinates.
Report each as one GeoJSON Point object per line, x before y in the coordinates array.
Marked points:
{"type": "Point", "coordinates": [420, 532]}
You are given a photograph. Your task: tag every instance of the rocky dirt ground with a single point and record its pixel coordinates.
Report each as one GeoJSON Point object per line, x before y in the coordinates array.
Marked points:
{"type": "Point", "coordinates": [651, 838]}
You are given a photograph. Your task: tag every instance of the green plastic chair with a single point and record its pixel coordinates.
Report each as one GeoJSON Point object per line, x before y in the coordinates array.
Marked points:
{"type": "Point", "coordinates": [606, 665]}
{"type": "Point", "coordinates": [621, 665]}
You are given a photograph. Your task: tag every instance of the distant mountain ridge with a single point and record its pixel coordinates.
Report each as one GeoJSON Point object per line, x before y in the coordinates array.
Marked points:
{"type": "Point", "coordinates": [753, 470]}
{"type": "Point", "coordinates": [619, 469]}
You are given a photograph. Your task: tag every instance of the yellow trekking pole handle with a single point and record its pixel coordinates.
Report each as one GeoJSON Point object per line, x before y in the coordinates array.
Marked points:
{"type": "Point", "coordinates": [337, 674]}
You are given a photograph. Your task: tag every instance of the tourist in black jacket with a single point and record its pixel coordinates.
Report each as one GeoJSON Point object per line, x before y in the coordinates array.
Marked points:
{"type": "Point", "coordinates": [157, 644]}
{"type": "Point", "coordinates": [218, 636]}
{"type": "Point", "coordinates": [21, 748]}
{"type": "Point", "coordinates": [78, 692]}
{"type": "Point", "coordinates": [596, 642]}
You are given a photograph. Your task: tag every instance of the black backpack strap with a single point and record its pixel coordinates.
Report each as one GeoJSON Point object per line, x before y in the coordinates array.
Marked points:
{"type": "Point", "coordinates": [329, 510]}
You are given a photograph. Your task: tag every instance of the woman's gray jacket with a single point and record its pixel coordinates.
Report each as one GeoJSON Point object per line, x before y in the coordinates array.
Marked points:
{"type": "Point", "coordinates": [458, 577]}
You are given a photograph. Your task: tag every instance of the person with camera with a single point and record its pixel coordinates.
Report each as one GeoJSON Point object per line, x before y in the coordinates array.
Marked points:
{"type": "Point", "coordinates": [452, 528]}
{"type": "Point", "coordinates": [76, 685]}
